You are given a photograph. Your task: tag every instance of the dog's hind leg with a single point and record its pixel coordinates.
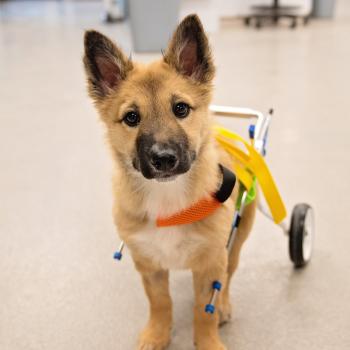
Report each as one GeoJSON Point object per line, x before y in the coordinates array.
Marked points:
{"type": "Point", "coordinates": [243, 231]}
{"type": "Point", "coordinates": [156, 334]}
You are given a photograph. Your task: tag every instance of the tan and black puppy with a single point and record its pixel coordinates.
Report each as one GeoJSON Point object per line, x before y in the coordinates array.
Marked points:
{"type": "Point", "coordinates": [160, 133]}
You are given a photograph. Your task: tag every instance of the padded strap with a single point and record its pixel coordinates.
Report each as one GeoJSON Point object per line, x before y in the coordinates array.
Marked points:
{"type": "Point", "coordinates": [227, 186]}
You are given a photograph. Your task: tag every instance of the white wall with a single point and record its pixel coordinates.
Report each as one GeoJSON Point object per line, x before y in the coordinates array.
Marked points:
{"type": "Point", "coordinates": [207, 10]}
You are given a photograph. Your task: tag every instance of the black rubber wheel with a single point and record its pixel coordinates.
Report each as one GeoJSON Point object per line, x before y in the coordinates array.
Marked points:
{"type": "Point", "coordinates": [247, 21]}
{"type": "Point", "coordinates": [306, 20]}
{"type": "Point", "coordinates": [294, 23]}
{"type": "Point", "coordinates": [108, 18]}
{"type": "Point", "coordinates": [301, 235]}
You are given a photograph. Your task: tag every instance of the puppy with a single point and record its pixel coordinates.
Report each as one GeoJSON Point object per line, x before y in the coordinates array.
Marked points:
{"type": "Point", "coordinates": [160, 133]}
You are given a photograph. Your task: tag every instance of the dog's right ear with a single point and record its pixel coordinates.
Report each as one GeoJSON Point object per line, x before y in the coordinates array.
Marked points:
{"type": "Point", "coordinates": [105, 64]}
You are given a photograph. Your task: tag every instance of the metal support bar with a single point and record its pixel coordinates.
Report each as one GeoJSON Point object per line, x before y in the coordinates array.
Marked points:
{"type": "Point", "coordinates": [210, 308]}
{"type": "Point", "coordinates": [235, 224]}
{"type": "Point", "coordinates": [261, 126]}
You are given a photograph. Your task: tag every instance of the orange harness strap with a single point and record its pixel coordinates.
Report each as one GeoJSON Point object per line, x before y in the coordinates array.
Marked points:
{"type": "Point", "coordinates": [196, 212]}
{"type": "Point", "coordinates": [205, 206]}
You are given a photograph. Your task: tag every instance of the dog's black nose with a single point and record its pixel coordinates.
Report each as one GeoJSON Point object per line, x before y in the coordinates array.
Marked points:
{"type": "Point", "coordinates": [163, 159]}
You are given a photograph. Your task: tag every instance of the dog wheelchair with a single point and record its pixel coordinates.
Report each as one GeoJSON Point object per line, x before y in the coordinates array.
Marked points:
{"type": "Point", "coordinates": [254, 175]}
{"type": "Point", "coordinates": [301, 229]}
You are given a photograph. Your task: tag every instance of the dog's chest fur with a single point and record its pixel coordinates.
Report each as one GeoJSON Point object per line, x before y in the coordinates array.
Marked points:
{"type": "Point", "coordinates": [168, 247]}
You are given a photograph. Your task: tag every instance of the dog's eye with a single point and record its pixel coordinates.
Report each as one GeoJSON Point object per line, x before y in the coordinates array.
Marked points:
{"type": "Point", "coordinates": [132, 119]}
{"type": "Point", "coordinates": [181, 109]}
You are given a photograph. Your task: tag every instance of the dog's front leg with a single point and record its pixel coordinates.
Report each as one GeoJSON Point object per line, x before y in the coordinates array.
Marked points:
{"type": "Point", "coordinates": [156, 335]}
{"type": "Point", "coordinates": [206, 335]}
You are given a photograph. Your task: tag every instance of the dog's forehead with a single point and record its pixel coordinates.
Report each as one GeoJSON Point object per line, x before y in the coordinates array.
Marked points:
{"type": "Point", "coordinates": [152, 82]}
{"type": "Point", "coordinates": [152, 79]}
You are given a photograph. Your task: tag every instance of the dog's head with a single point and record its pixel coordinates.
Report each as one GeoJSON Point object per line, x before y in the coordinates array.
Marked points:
{"type": "Point", "coordinates": [156, 115]}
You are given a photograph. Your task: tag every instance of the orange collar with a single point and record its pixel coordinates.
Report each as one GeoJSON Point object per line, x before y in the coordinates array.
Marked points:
{"type": "Point", "coordinates": [204, 207]}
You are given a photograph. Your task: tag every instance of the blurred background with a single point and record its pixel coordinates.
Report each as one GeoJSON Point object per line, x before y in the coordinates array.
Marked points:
{"type": "Point", "coordinates": [59, 286]}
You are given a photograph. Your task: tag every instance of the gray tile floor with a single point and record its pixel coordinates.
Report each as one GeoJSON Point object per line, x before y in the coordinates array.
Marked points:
{"type": "Point", "coordinates": [60, 288]}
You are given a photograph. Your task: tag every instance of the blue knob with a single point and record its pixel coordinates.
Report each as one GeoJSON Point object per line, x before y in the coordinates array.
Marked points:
{"type": "Point", "coordinates": [217, 285]}
{"type": "Point", "coordinates": [251, 131]}
{"type": "Point", "coordinates": [118, 255]}
{"type": "Point", "coordinates": [209, 308]}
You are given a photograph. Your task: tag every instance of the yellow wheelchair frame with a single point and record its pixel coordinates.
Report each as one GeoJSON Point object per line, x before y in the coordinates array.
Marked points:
{"type": "Point", "coordinates": [252, 171]}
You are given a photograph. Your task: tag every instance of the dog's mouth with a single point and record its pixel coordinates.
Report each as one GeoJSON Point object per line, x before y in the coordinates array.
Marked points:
{"type": "Point", "coordinates": [166, 178]}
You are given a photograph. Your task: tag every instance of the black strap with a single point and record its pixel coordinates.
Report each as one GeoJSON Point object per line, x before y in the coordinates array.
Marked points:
{"type": "Point", "coordinates": [227, 186]}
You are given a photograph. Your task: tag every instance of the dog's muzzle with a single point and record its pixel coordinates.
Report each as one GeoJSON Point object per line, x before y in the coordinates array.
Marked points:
{"type": "Point", "coordinates": [162, 161]}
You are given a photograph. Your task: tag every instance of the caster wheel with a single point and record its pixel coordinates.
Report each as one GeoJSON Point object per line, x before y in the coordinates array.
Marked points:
{"type": "Point", "coordinates": [247, 21]}
{"type": "Point", "coordinates": [108, 18]}
{"type": "Point", "coordinates": [294, 23]}
{"type": "Point", "coordinates": [301, 235]}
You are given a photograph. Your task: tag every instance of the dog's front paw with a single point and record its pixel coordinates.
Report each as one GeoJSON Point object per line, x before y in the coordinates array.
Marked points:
{"type": "Point", "coordinates": [151, 346]}
{"type": "Point", "coordinates": [211, 345]}
{"type": "Point", "coordinates": [154, 338]}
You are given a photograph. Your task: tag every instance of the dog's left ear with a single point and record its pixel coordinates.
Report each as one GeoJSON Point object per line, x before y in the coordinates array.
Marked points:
{"type": "Point", "coordinates": [188, 51]}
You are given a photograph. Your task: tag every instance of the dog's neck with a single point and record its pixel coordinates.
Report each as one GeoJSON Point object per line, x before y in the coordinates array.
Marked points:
{"type": "Point", "coordinates": [167, 198]}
